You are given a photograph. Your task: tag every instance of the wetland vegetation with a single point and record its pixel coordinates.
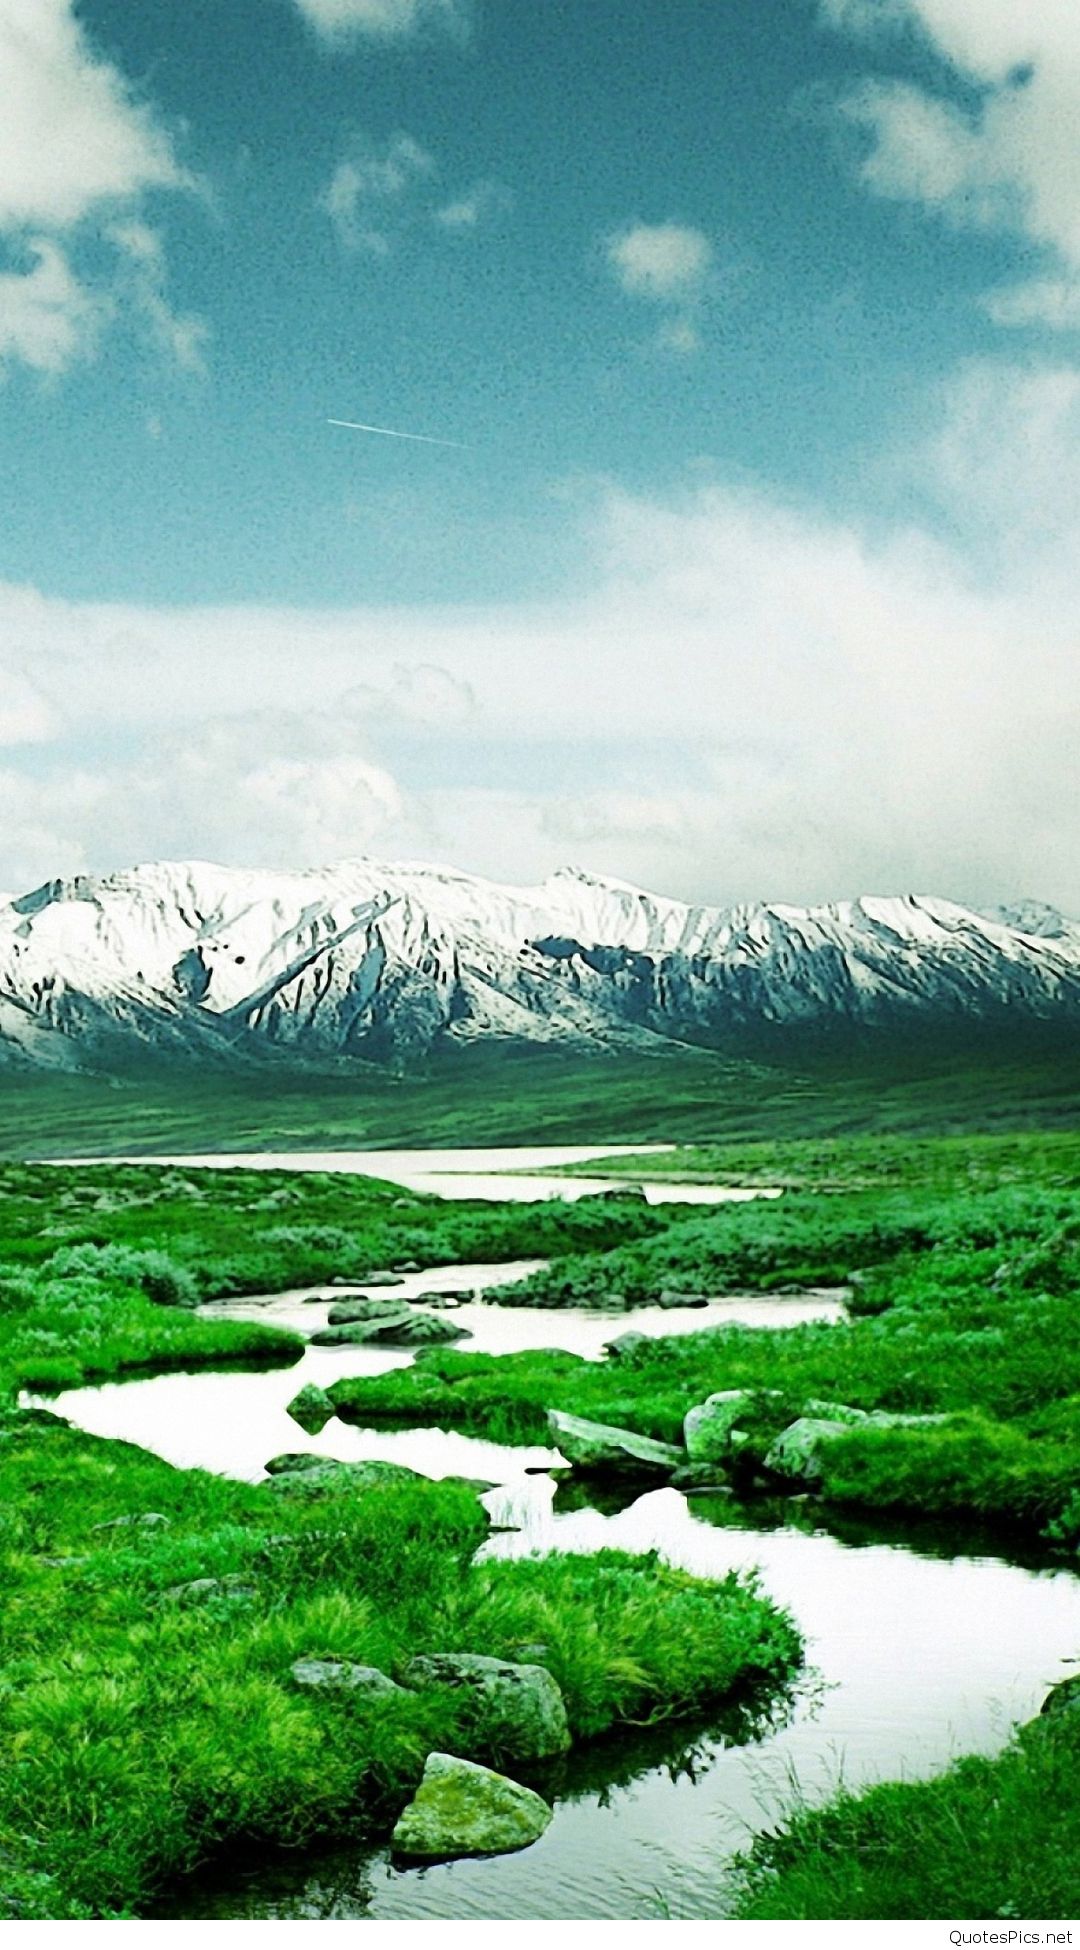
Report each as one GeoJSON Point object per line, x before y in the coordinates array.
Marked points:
{"type": "Point", "coordinates": [152, 1616]}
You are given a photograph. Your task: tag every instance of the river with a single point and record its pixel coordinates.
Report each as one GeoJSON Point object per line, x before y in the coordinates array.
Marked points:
{"type": "Point", "coordinates": [919, 1648]}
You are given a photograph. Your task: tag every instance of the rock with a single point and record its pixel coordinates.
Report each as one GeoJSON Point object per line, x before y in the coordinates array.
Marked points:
{"type": "Point", "coordinates": [418, 1330]}
{"type": "Point", "coordinates": [625, 1345]}
{"type": "Point", "coordinates": [363, 1306]}
{"type": "Point", "coordinates": [594, 1448]}
{"type": "Point", "coordinates": [667, 1298]}
{"type": "Point", "coordinates": [335, 1476]}
{"type": "Point", "coordinates": [440, 1302]}
{"type": "Point", "coordinates": [380, 1279]}
{"type": "Point", "coordinates": [797, 1451]}
{"type": "Point", "coordinates": [514, 1712]}
{"type": "Point", "coordinates": [1062, 1698]}
{"type": "Point", "coordinates": [695, 1477]}
{"type": "Point", "coordinates": [834, 1412]}
{"type": "Point", "coordinates": [354, 1333]}
{"type": "Point", "coordinates": [406, 1266]}
{"type": "Point", "coordinates": [462, 1809]}
{"type": "Point", "coordinates": [707, 1428]}
{"type": "Point", "coordinates": [197, 1590]}
{"type": "Point", "coordinates": [314, 1299]}
{"type": "Point", "coordinates": [295, 1459]}
{"type": "Point", "coordinates": [311, 1408]}
{"type": "Point", "coordinates": [342, 1676]}
{"type": "Point", "coordinates": [147, 1520]}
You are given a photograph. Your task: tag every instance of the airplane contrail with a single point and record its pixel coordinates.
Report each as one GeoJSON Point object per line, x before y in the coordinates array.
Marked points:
{"type": "Point", "coordinates": [392, 433]}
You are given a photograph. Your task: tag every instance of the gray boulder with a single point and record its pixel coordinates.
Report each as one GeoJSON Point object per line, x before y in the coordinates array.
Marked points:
{"type": "Point", "coordinates": [512, 1712]}
{"type": "Point", "coordinates": [625, 1345]}
{"type": "Point", "coordinates": [311, 1408]}
{"type": "Point", "coordinates": [419, 1330]}
{"type": "Point", "coordinates": [798, 1452]}
{"type": "Point", "coordinates": [668, 1298]}
{"type": "Point", "coordinates": [835, 1412]}
{"type": "Point", "coordinates": [597, 1449]}
{"type": "Point", "coordinates": [343, 1676]}
{"type": "Point", "coordinates": [198, 1590]}
{"type": "Point", "coordinates": [1062, 1698]}
{"type": "Point", "coordinates": [294, 1459]}
{"type": "Point", "coordinates": [354, 1333]}
{"type": "Point", "coordinates": [364, 1306]}
{"type": "Point", "coordinates": [331, 1476]}
{"type": "Point", "coordinates": [707, 1428]}
{"type": "Point", "coordinates": [462, 1809]}
{"type": "Point", "coordinates": [146, 1520]}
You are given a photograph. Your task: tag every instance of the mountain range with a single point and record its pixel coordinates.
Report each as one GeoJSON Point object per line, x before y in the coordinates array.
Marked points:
{"type": "Point", "coordinates": [391, 964]}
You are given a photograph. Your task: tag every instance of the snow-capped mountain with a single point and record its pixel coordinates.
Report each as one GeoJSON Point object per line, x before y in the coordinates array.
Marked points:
{"type": "Point", "coordinates": [388, 963]}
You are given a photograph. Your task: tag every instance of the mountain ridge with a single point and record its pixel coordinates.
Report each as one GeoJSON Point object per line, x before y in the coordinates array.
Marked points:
{"type": "Point", "coordinates": [387, 962]}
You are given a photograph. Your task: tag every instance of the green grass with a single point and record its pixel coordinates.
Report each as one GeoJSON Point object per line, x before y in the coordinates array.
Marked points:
{"type": "Point", "coordinates": [993, 1839]}
{"type": "Point", "coordinates": [786, 1086]}
{"type": "Point", "coordinates": [967, 1307]}
{"type": "Point", "coordinates": [143, 1735]}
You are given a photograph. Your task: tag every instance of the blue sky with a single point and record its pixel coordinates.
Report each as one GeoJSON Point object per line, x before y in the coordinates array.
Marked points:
{"type": "Point", "coordinates": [758, 326]}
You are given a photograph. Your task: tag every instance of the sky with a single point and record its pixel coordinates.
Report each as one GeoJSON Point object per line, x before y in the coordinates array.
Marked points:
{"type": "Point", "coordinates": [739, 558]}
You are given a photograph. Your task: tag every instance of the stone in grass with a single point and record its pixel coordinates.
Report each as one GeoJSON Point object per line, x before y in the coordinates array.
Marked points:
{"type": "Point", "coordinates": [146, 1520]}
{"type": "Point", "coordinates": [197, 1591]}
{"type": "Point", "coordinates": [463, 1809]}
{"type": "Point", "coordinates": [419, 1330]}
{"type": "Point", "coordinates": [596, 1449]}
{"type": "Point", "coordinates": [514, 1712]}
{"type": "Point", "coordinates": [625, 1346]}
{"type": "Point", "coordinates": [311, 1408]}
{"type": "Point", "coordinates": [354, 1333]}
{"type": "Point", "coordinates": [707, 1427]}
{"type": "Point", "coordinates": [331, 1476]}
{"type": "Point", "coordinates": [798, 1452]}
{"type": "Point", "coordinates": [343, 1676]}
{"type": "Point", "coordinates": [364, 1306]}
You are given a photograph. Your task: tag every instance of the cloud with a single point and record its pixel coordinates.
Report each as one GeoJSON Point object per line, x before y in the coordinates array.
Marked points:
{"type": "Point", "coordinates": [368, 194]}
{"type": "Point", "coordinates": [666, 264]}
{"type": "Point", "coordinates": [48, 320]}
{"type": "Point", "coordinates": [660, 260]}
{"type": "Point", "coordinates": [481, 204]}
{"type": "Point", "coordinates": [387, 20]}
{"type": "Point", "coordinates": [1004, 157]}
{"type": "Point", "coordinates": [77, 145]}
{"type": "Point", "coordinates": [73, 134]}
{"type": "Point", "coordinates": [748, 699]}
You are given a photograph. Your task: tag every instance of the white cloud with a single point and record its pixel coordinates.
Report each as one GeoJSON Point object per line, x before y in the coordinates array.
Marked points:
{"type": "Point", "coordinates": [748, 700]}
{"type": "Point", "coordinates": [667, 264]}
{"type": "Point", "coordinates": [480, 204]}
{"type": "Point", "coordinates": [48, 319]}
{"type": "Point", "coordinates": [76, 145]}
{"type": "Point", "coordinates": [366, 194]}
{"type": "Point", "coordinates": [26, 717]}
{"type": "Point", "coordinates": [72, 134]}
{"type": "Point", "coordinates": [181, 338]}
{"type": "Point", "coordinates": [384, 19]}
{"type": "Point", "coordinates": [660, 260]}
{"type": "Point", "coordinates": [1010, 159]}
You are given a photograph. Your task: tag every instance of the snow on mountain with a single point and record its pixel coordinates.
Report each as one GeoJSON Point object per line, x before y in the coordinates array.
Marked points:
{"type": "Point", "coordinates": [388, 962]}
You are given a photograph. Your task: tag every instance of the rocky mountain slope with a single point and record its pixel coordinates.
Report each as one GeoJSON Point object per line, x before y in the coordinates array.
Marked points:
{"type": "Point", "coordinates": [389, 963]}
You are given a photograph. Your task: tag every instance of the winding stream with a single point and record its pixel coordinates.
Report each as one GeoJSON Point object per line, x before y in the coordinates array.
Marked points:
{"type": "Point", "coordinates": [917, 1649]}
